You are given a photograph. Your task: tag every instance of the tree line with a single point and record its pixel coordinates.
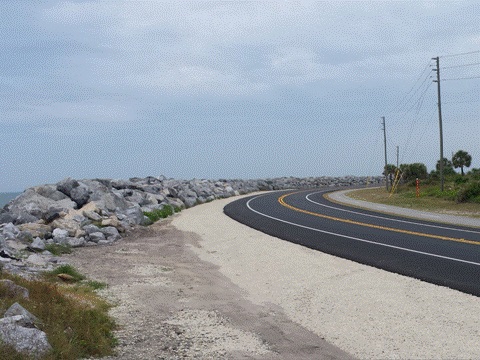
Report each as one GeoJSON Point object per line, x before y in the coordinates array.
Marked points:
{"type": "Point", "coordinates": [410, 172]}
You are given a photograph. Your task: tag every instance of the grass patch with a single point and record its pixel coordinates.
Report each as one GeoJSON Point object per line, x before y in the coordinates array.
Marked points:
{"type": "Point", "coordinates": [58, 249]}
{"type": "Point", "coordinates": [162, 213]}
{"type": "Point", "coordinates": [96, 285]}
{"type": "Point", "coordinates": [74, 318]}
{"type": "Point", "coordinates": [431, 199]}
{"type": "Point", "coordinates": [65, 269]}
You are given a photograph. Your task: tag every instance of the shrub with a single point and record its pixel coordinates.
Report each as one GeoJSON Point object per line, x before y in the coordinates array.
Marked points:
{"type": "Point", "coordinates": [413, 171]}
{"type": "Point", "coordinates": [96, 285]}
{"type": "Point", "coordinates": [74, 318]}
{"type": "Point", "coordinates": [66, 269]}
{"type": "Point", "coordinates": [447, 194]}
{"type": "Point", "coordinates": [158, 214]}
{"type": "Point", "coordinates": [471, 192]}
{"type": "Point", "coordinates": [58, 249]}
{"type": "Point", "coordinates": [459, 179]}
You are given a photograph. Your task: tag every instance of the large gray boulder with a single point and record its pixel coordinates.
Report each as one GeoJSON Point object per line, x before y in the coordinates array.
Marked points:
{"type": "Point", "coordinates": [120, 184]}
{"type": "Point", "coordinates": [133, 215]}
{"type": "Point", "coordinates": [31, 206]}
{"type": "Point", "coordinates": [60, 235]}
{"type": "Point", "coordinates": [28, 320]}
{"type": "Point", "coordinates": [7, 217]}
{"type": "Point", "coordinates": [188, 197]}
{"type": "Point", "coordinates": [105, 198]}
{"type": "Point", "coordinates": [10, 231]}
{"type": "Point", "coordinates": [135, 197]}
{"type": "Point", "coordinates": [67, 185]}
{"type": "Point", "coordinates": [91, 229]}
{"type": "Point", "coordinates": [30, 341]}
{"type": "Point", "coordinates": [36, 230]}
{"type": "Point", "coordinates": [111, 233]}
{"type": "Point", "coordinates": [75, 242]}
{"type": "Point", "coordinates": [80, 194]}
{"type": "Point", "coordinates": [37, 244]}
{"type": "Point", "coordinates": [50, 192]}
{"type": "Point", "coordinates": [96, 237]}
{"type": "Point", "coordinates": [77, 191]}
{"type": "Point", "coordinates": [109, 202]}
{"type": "Point", "coordinates": [13, 290]}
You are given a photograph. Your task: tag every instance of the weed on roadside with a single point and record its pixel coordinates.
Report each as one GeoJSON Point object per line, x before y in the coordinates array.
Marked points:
{"type": "Point", "coordinates": [162, 213]}
{"type": "Point", "coordinates": [58, 249]}
{"type": "Point", "coordinates": [73, 316]}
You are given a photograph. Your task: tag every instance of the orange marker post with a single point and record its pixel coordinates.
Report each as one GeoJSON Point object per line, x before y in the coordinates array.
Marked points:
{"type": "Point", "coordinates": [417, 183]}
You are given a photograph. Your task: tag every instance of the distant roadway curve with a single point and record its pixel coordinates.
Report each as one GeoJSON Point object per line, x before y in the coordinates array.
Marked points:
{"type": "Point", "coordinates": [446, 255]}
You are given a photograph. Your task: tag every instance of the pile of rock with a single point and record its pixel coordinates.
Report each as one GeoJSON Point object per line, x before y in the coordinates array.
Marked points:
{"type": "Point", "coordinates": [98, 211]}
{"type": "Point", "coordinates": [18, 327]}
{"type": "Point", "coordinates": [91, 212]}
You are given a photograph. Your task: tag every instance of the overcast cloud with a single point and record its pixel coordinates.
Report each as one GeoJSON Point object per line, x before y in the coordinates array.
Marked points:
{"type": "Point", "coordinates": [231, 89]}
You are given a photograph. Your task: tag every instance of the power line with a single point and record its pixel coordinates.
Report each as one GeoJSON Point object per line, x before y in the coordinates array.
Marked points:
{"type": "Point", "coordinates": [395, 108]}
{"type": "Point", "coordinates": [437, 70]}
{"type": "Point", "coordinates": [415, 92]}
{"type": "Point", "coordinates": [466, 53]}
{"type": "Point", "coordinates": [423, 132]}
{"type": "Point", "coordinates": [457, 66]}
{"type": "Point", "coordinates": [461, 102]}
{"type": "Point", "coordinates": [415, 118]}
{"type": "Point", "coordinates": [463, 78]}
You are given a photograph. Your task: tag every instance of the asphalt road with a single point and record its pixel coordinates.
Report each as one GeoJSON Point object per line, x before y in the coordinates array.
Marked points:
{"type": "Point", "coordinates": [445, 255]}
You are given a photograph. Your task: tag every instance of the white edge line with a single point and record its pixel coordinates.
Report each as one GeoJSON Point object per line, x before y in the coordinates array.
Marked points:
{"type": "Point", "coordinates": [385, 218]}
{"type": "Point", "coordinates": [357, 239]}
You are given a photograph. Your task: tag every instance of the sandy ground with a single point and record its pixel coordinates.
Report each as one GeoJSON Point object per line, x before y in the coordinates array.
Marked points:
{"type": "Point", "coordinates": [201, 285]}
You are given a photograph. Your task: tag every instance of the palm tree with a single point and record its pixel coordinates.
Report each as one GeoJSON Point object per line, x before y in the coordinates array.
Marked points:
{"type": "Point", "coordinates": [447, 167]}
{"type": "Point", "coordinates": [461, 159]}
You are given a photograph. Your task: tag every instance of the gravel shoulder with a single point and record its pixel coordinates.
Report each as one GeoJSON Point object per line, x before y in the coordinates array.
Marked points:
{"type": "Point", "coordinates": [201, 285]}
{"type": "Point", "coordinates": [173, 305]}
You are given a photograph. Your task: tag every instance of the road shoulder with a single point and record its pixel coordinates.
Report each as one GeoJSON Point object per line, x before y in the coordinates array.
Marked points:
{"type": "Point", "coordinates": [173, 305]}
{"type": "Point", "coordinates": [367, 312]}
{"type": "Point", "coordinates": [341, 197]}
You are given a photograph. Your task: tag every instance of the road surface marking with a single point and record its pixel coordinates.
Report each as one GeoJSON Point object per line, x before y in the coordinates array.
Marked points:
{"type": "Point", "coordinates": [355, 238]}
{"type": "Point", "coordinates": [382, 217]}
{"type": "Point", "coordinates": [446, 238]}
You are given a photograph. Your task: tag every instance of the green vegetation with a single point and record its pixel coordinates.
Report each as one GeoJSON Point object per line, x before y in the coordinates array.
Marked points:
{"type": "Point", "coordinates": [447, 168]}
{"type": "Point", "coordinates": [73, 316]}
{"type": "Point", "coordinates": [96, 285]}
{"type": "Point", "coordinates": [68, 270]}
{"type": "Point", "coordinates": [461, 195]}
{"type": "Point", "coordinates": [461, 159]}
{"type": "Point", "coordinates": [58, 249]}
{"type": "Point", "coordinates": [413, 171]}
{"type": "Point", "coordinates": [162, 213]}
{"type": "Point", "coordinates": [457, 187]}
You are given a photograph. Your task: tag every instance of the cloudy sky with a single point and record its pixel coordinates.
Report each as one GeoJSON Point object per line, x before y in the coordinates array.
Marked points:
{"type": "Point", "coordinates": [232, 89]}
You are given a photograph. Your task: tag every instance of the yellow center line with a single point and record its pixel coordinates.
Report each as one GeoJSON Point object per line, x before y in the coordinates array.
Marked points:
{"type": "Point", "coordinates": [281, 200]}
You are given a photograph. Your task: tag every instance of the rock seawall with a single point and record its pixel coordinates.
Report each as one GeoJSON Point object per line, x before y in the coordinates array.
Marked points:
{"type": "Point", "coordinates": [92, 212]}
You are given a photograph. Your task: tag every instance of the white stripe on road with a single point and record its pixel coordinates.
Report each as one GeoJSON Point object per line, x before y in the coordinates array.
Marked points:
{"type": "Point", "coordinates": [385, 218]}
{"type": "Point", "coordinates": [355, 238]}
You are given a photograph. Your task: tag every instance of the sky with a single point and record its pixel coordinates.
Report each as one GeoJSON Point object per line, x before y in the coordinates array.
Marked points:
{"type": "Point", "coordinates": [230, 89]}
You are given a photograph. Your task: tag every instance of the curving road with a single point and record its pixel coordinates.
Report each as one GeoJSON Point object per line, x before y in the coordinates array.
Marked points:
{"type": "Point", "coordinates": [442, 254]}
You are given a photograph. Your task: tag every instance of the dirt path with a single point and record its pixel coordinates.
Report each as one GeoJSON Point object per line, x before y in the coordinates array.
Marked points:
{"type": "Point", "coordinates": [203, 286]}
{"type": "Point", "coordinates": [172, 305]}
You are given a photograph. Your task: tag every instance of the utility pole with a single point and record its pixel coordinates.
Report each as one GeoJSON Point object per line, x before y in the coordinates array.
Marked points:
{"type": "Point", "coordinates": [397, 156]}
{"type": "Point", "coordinates": [437, 59]}
{"type": "Point", "coordinates": [385, 145]}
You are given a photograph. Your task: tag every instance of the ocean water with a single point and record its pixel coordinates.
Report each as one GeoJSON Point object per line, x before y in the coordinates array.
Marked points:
{"type": "Point", "coordinates": [5, 197]}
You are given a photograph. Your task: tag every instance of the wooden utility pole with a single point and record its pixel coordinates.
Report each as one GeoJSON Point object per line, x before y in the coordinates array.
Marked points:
{"type": "Point", "coordinates": [437, 59]}
{"type": "Point", "coordinates": [385, 145]}
{"type": "Point", "coordinates": [397, 156]}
